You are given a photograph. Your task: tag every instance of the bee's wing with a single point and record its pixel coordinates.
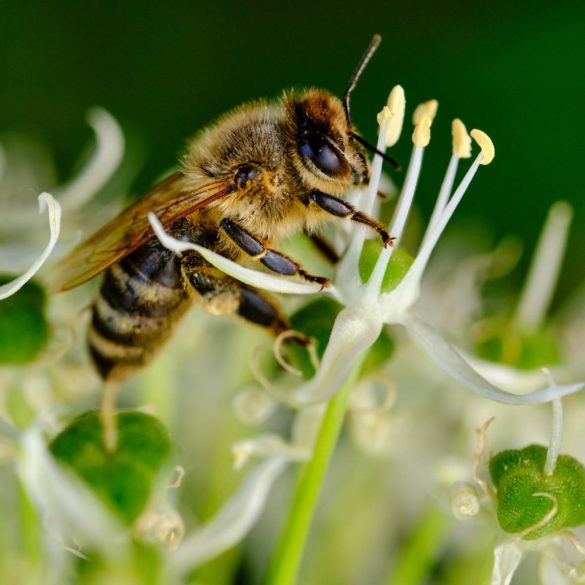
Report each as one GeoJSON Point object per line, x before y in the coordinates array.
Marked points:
{"type": "Point", "coordinates": [169, 200]}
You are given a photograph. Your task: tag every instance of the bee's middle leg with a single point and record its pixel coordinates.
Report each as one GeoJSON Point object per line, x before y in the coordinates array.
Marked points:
{"type": "Point", "coordinates": [223, 295]}
{"type": "Point", "coordinates": [275, 261]}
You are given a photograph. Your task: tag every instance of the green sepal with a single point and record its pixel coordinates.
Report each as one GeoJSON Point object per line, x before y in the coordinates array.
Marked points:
{"type": "Point", "coordinates": [397, 268]}
{"type": "Point", "coordinates": [122, 479]}
{"type": "Point", "coordinates": [518, 474]}
{"type": "Point", "coordinates": [23, 329]}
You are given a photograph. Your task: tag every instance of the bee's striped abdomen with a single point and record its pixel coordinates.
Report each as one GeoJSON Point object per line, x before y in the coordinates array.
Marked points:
{"type": "Point", "coordinates": [138, 303]}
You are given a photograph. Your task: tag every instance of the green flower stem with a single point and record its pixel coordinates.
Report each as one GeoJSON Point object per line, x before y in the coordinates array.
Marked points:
{"type": "Point", "coordinates": [421, 550]}
{"type": "Point", "coordinates": [30, 530]}
{"type": "Point", "coordinates": [285, 564]}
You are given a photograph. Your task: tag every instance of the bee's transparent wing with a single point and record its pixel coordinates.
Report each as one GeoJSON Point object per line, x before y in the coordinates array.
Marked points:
{"type": "Point", "coordinates": [169, 200]}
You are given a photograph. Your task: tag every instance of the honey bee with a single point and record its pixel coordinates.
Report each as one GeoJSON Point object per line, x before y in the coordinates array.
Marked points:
{"type": "Point", "coordinates": [262, 172]}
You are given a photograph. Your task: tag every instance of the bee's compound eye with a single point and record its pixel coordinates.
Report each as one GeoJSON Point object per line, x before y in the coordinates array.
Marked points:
{"type": "Point", "coordinates": [323, 155]}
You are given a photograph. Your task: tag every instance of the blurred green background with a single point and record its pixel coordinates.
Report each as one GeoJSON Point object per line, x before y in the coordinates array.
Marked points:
{"type": "Point", "coordinates": [165, 69]}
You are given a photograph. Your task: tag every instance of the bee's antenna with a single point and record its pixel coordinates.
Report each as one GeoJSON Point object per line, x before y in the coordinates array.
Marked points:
{"type": "Point", "coordinates": [372, 148]}
{"type": "Point", "coordinates": [376, 40]}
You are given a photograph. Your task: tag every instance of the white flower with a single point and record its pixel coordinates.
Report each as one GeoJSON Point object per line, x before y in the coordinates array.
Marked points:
{"type": "Point", "coordinates": [367, 308]}
{"type": "Point", "coordinates": [54, 211]}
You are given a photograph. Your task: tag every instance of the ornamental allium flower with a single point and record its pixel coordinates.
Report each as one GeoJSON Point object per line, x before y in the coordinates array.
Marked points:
{"type": "Point", "coordinates": [369, 304]}
{"type": "Point", "coordinates": [70, 197]}
{"type": "Point", "coordinates": [532, 499]}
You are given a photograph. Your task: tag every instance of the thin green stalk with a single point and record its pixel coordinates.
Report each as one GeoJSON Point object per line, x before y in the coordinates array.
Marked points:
{"type": "Point", "coordinates": [285, 564]}
{"type": "Point", "coordinates": [421, 550]}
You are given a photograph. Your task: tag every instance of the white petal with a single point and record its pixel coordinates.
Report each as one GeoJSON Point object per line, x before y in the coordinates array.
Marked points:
{"type": "Point", "coordinates": [102, 164]}
{"type": "Point", "coordinates": [450, 359]}
{"type": "Point", "coordinates": [233, 521]}
{"type": "Point", "coordinates": [552, 572]}
{"type": "Point", "coordinates": [264, 446]}
{"type": "Point", "coordinates": [507, 557]}
{"type": "Point", "coordinates": [245, 275]}
{"type": "Point", "coordinates": [54, 209]}
{"type": "Point", "coordinates": [65, 502]}
{"type": "Point", "coordinates": [353, 333]}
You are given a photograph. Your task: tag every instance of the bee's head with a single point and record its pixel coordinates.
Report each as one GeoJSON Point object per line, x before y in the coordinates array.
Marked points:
{"type": "Point", "coordinates": [325, 149]}
{"type": "Point", "coordinates": [322, 144]}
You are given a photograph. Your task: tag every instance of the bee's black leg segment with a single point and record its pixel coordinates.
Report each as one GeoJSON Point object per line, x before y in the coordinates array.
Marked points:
{"type": "Point", "coordinates": [282, 264]}
{"type": "Point", "coordinates": [220, 294]}
{"type": "Point", "coordinates": [274, 261]}
{"type": "Point", "coordinates": [324, 247]}
{"type": "Point", "coordinates": [260, 309]}
{"type": "Point", "coordinates": [339, 208]}
{"type": "Point", "coordinates": [243, 238]}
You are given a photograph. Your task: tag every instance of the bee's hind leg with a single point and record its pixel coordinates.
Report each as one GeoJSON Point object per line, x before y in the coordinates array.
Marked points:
{"type": "Point", "coordinates": [221, 294]}
{"type": "Point", "coordinates": [261, 309]}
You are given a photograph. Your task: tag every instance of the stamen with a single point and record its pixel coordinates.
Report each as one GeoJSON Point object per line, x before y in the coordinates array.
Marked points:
{"type": "Point", "coordinates": [461, 139]}
{"type": "Point", "coordinates": [425, 110]}
{"type": "Point", "coordinates": [180, 471]}
{"type": "Point", "coordinates": [347, 268]}
{"type": "Point", "coordinates": [483, 446]}
{"type": "Point", "coordinates": [272, 390]}
{"type": "Point", "coordinates": [545, 519]}
{"type": "Point", "coordinates": [422, 132]}
{"type": "Point", "coordinates": [461, 149]}
{"type": "Point", "coordinates": [393, 115]}
{"type": "Point", "coordinates": [556, 435]}
{"type": "Point", "coordinates": [463, 500]}
{"type": "Point", "coordinates": [363, 399]}
{"type": "Point", "coordinates": [253, 406]}
{"type": "Point", "coordinates": [488, 151]}
{"type": "Point", "coordinates": [544, 270]}
{"type": "Point", "coordinates": [444, 194]}
{"type": "Point", "coordinates": [574, 540]}
{"type": "Point", "coordinates": [399, 220]}
{"type": "Point", "coordinates": [435, 232]}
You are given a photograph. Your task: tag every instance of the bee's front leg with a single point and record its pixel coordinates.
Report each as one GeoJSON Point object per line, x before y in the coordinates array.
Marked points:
{"type": "Point", "coordinates": [340, 208]}
{"type": "Point", "coordinates": [273, 260]}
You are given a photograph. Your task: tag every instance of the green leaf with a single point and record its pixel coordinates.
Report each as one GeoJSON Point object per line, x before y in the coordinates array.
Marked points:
{"type": "Point", "coordinates": [123, 479]}
{"type": "Point", "coordinates": [397, 268]}
{"type": "Point", "coordinates": [23, 329]}
{"type": "Point", "coordinates": [519, 474]}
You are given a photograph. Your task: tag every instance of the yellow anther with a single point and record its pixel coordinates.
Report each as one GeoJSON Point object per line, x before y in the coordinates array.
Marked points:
{"type": "Point", "coordinates": [461, 139]}
{"type": "Point", "coordinates": [487, 146]}
{"type": "Point", "coordinates": [393, 115]}
{"type": "Point", "coordinates": [422, 133]}
{"type": "Point", "coordinates": [425, 110]}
